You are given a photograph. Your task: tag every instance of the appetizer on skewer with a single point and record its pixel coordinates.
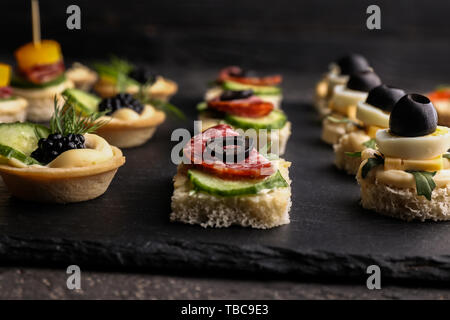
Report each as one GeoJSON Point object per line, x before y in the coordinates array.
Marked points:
{"type": "Point", "coordinates": [441, 100]}
{"type": "Point", "coordinates": [225, 181]}
{"type": "Point", "coordinates": [373, 115]}
{"type": "Point", "coordinates": [82, 77]}
{"type": "Point", "coordinates": [12, 108]}
{"type": "Point", "coordinates": [61, 164]}
{"type": "Point", "coordinates": [338, 74]}
{"type": "Point", "coordinates": [244, 110]}
{"type": "Point", "coordinates": [343, 105]}
{"type": "Point", "coordinates": [237, 79]}
{"type": "Point", "coordinates": [120, 76]}
{"type": "Point", "coordinates": [39, 77]}
{"type": "Point", "coordinates": [129, 123]}
{"type": "Point", "coordinates": [409, 176]}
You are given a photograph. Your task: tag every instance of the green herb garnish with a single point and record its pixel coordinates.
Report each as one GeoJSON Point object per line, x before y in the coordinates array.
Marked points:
{"type": "Point", "coordinates": [424, 183]}
{"type": "Point", "coordinates": [370, 164]}
{"type": "Point", "coordinates": [353, 154]}
{"type": "Point", "coordinates": [66, 120]}
{"type": "Point", "coordinates": [446, 155]}
{"type": "Point", "coordinates": [370, 144]}
{"type": "Point", "coordinates": [116, 69]}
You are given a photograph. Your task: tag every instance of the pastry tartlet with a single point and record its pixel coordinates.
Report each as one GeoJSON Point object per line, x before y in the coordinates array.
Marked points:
{"type": "Point", "coordinates": [60, 165]}
{"type": "Point", "coordinates": [128, 122]}
{"type": "Point", "coordinates": [234, 78]}
{"type": "Point", "coordinates": [246, 111]}
{"type": "Point", "coordinates": [39, 78]}
{"type": "Point", "coordinates": [409, 176]}
{"type": "Point", "coordinates": [12, 108]}
{"type": "Point", "coordinates": [338, 74]}
{"type": "Point", "coordinates": [82, 77]}
{"type": "Point", "coordinates": [249, 191]}
{"type": "Point", "coordinates": [343, 105]}
{"type": "Point", "coordinates": [441, 100]}
{"type": "Point", "coordinates": [120, 76]}
{"type": "Point", "coordinates": [373, 115]}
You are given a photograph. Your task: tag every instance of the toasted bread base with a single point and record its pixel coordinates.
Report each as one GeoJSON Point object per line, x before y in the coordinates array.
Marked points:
{"type": "Point", "coordinates": [61, 185]}
{"type": "Point", "coordinates": [13, 110]}
{"type": "Point", "coordinates": [345, 162]}
{"type": "Point", "coordinates": [443, 110]}
{"type": "Point", "coordinates": [41, 101]}
{"type": "Point", "coordinates": [262, 211]}
{"type": "Point", "coordinates": [405, 204]}
{"type": "Point", "coordinates": [332, 132]}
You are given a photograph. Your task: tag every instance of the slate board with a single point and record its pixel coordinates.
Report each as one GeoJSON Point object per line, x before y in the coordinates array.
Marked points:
{"type": "Point", "coordinates": [330, 235]}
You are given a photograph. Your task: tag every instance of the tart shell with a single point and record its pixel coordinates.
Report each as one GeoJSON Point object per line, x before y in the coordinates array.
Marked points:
{"type": "Point", "coordinates": [61, 185]}
{"type": "Point", "coordinates": [162, 92]}
{"type": "Point", "coordinates": [132, 133]}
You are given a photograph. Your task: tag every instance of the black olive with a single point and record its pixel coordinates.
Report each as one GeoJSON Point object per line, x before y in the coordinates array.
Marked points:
{"type": "Point", "coordinates": [413, 116]}
{"type": "Point", "coordinates": [352, 63]}
{"type": "Point", "coordinates": [384, 97]}
{"type": "Point", "coordinates": [234, 95]}
{"type": "Point", "coordinates": [363, 81]}
{"type": "Point", "coordinates": [220, 148]}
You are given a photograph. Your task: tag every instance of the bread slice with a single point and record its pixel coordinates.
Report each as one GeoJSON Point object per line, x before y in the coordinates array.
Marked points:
{"type": "Point", "coordinates": [41, 101]}
{"type": "Point", "coordinates": [443, 110]}
{"type": "Point", "coordinates": [405, 204]}
{"type": "Point", "coordinates": [268, 209]}
{"type": "Point", "coordinates": [349, 142]}
{"type": "Point", "coordinates": [333, 131]}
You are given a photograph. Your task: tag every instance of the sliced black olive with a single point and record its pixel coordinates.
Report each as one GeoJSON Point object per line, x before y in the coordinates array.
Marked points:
{"type": "Point", "coordinates": [413, 116]}
{"type": "Point", "coordinates": [222, 148]}
{"type": "Point", "coordinates": [234, 95]}
{"type": "Point", "coordinates": [352, 63]}
{"type": "Point", "coordinates": [363, 81]}
{"type": "Point", "coordinates": [384, 97]}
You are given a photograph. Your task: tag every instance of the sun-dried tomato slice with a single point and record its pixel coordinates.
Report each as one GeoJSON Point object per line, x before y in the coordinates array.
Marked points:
{"type": "Point", "coordinates": [252, 107]}
{"type": "Point", "coordinates": [437, 95]}
{"type": "Point", "coordinates": [236, 74]}
{"type": "Point", "coordinates": [5, 92]}
{"type": "Point", "coordinates": [255, 166]}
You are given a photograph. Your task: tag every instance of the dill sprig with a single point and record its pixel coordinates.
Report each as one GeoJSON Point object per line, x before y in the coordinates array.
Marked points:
{"type": "Point", "coordinates": [66, 120]}
{"type": "Point", "coordinates": [116, 69]}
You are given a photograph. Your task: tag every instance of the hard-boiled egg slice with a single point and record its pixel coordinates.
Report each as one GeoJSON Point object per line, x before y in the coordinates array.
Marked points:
{"type": "Point", "coordinates": [419, 148]}
{"type": "Point", "coordinates": [344, 98]}
{"type": "Point", "coordinates": [371, 115]}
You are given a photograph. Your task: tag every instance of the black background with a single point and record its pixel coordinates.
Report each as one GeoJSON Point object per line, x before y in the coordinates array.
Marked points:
{"type": "Point", "coordinates": [298, 36]}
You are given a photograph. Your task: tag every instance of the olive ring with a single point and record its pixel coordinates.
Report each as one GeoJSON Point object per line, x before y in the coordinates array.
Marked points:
{"type": "Point", "coordinates": [216, 148]}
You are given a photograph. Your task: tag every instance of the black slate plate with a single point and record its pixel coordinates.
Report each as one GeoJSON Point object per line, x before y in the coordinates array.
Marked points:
{"type": "Point", "coordinates": [330, 235]}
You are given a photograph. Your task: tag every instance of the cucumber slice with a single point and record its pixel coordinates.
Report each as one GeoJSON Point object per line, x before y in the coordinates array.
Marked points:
{"type": "Point", "coordinates": [274, 120]}
{"type": "Point", "coordinates": [8, 99]}
{"type": "Point", "coordinates": [83, 102]}
{"type": "Point", "coordinates": [11, 153]}
{"type": "Point", "coordinates": [22, 137]}
{"type": "Point", "coordinates": [226, 188]}
{"type": "Point", "coordinates": [258, 90]}
{"type": "Point", "coordinates": [202, 106]}
{"type": "Point", "coordinates": [22, 83]}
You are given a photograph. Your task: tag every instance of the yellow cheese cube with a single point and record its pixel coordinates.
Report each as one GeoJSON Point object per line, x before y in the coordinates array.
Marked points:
{"type": "Point", "coordinates": [431, 165]}
{"type": "Point", "coordinates": [5, 75]}
{"type": "Point", "coordinates": [372, 130]}
{"type": "Point", "coordinates": [30, 55]}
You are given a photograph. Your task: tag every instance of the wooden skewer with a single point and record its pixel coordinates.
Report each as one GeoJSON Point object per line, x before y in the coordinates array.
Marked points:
{"type": "Point", "coordinates": [36, 22]}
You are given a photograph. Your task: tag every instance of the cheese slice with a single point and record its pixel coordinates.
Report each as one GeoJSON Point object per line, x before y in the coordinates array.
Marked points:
{"type": "Point", "coordinates": [372, 131]}
{"type": "Point", "coordinates": [431, 165]}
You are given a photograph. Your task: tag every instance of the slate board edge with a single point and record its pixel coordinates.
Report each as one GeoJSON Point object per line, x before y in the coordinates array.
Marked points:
{"type": "Point", "coordinates": [220, 260]}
